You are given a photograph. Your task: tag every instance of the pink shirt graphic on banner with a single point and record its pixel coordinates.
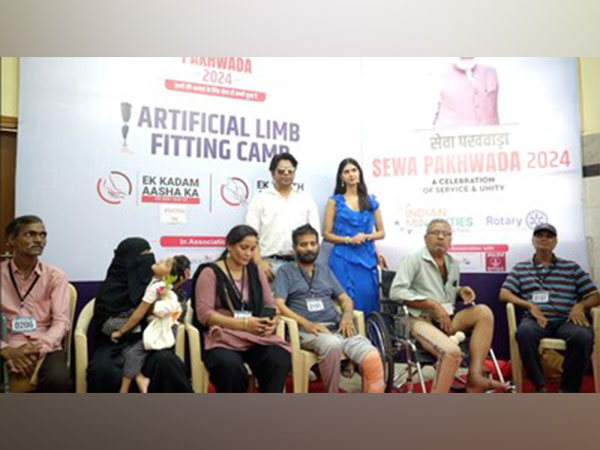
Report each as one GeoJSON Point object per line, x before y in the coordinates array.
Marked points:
{"type": "Point", "coordinates": [468, 97]}
{"type": "Point", "coordinates": [48, 303]}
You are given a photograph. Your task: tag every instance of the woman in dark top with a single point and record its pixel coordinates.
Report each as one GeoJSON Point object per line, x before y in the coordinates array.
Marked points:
{"type": "Point", "coordinates": [120, 293]}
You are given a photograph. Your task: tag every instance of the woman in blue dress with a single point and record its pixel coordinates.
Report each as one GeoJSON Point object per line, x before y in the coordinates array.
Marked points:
{"type": "Point", "coordinates": [352, 222]}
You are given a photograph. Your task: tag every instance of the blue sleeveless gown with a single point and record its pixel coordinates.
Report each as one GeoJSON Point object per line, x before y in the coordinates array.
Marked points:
{"type": "Point", "coordinates": [355, 266]}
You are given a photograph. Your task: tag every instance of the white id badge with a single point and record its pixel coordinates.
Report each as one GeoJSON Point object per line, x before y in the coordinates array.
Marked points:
{"type": "Point", "coordinates": [24, 324]}
{"type": "Point", "coordinates": [242, 314]}
{"type": "Point", "coordinates": [314, 304]}
{"type": "Point", "coordinates": [541, 297]}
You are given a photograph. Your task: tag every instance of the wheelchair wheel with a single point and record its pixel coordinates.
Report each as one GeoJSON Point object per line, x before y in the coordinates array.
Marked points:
{"type": "Point", "coordinates": [379, 335]}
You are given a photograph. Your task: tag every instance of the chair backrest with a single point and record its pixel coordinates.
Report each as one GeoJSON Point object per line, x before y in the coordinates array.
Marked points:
{"type": "Point", "coordinates": [81, 347]}
{"type": "Point", "coordinates": [189, 311]}
{"type": "Point", "coordinates": [386, 277]}
{"type": "Point", "coordinates": [67, 342]}
{"type": "Point", "coordinates": [189, 322]}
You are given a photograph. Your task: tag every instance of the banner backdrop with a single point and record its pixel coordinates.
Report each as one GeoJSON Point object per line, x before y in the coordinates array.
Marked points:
{"type": "Point", "coordinates": [172, 149]}
{"type": "Point", "coordinates": [491, 145]}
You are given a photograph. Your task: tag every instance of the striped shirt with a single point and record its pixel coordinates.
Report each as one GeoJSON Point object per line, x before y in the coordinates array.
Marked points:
{"type": "Point", "coordinates": [565, 281]}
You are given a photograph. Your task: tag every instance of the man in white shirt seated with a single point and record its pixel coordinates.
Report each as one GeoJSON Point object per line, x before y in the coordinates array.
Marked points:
{"type": "Point", "coordinates": [276, 212]}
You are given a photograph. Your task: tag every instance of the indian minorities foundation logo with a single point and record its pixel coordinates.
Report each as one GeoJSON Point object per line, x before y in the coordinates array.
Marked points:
{"type": "Point", "coordinates": [116, 187]}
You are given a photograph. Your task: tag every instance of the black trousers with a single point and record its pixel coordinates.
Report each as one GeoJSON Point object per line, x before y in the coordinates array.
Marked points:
{"type": "Point", "coordinates": [270, 364]}
{"type": "Point", "coordinates": [163, 367]}
{"type": "Point", "coordinates": [54, 375]}
{"type": "Point", "coordinates": [577, 356]}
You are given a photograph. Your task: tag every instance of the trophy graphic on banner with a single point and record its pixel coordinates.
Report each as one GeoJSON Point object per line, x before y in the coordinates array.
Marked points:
{"type": "Point", "coordinates": [126, 114]}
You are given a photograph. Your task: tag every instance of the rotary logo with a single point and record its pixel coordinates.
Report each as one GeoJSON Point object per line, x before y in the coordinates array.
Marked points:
{"type": "Point", "coordinates": [535, 217]}
{"type": "Point", "coordinates": [116, 187]}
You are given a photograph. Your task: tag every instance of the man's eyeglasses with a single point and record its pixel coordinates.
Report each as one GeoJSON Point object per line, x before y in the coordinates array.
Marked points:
{"type": "Point", "coordinates": [440, 232]}
{"type": "Point", "coordinates": [284, 171]}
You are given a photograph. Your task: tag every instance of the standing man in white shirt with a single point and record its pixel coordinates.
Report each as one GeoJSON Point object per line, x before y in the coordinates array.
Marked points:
{"type": "Point", "coordinates": [276, 212]}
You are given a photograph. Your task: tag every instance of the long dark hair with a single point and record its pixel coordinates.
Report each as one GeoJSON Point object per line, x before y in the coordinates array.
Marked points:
{"type": "Point", "coordinates": [236, 235]}
{"type": "Point", "coordinates": [225, 290]}
{"type": "Point", "coordinates": [363, 194]}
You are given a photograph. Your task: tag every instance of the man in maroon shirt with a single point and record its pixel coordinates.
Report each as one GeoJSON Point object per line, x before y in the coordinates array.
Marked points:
{"type": "Point", "coordinates": [35, 308]}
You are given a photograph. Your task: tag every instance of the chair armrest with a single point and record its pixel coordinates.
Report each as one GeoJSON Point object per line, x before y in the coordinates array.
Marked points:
{"type": "Point", "coordinates": [515, 355]}
{"type": "Point", "coordinates": [81, 346]}
{"type": "Point", "coordinates": [199, 379]}
{"type": "Point", "coordinates": [359, 322]}
{"type": "Point", "coordinates": [596, 351]}
{"type": "Point", "coordinates": [189, 312]}
{"type": "Point", "coordinates": [392, 307]}
{"type": "Point", "coordinates": [68, 339]}
{"type": "Point", "coordinates": [298, 356]}
{"type": "Point", "coordinates": [511, 318]}
{"type": "Point", "coordinates": [81, 361]}
{"type": "Point", "coordinates": [595, 311]}
{"type": "Point", "coordinates": [280, 330]}
{"type": "Point", "coordinates": [180, 342]}
{"type": "Point", "coordinates": [389, 301]}
{"type": "Point", "coordinates": [293, 332]}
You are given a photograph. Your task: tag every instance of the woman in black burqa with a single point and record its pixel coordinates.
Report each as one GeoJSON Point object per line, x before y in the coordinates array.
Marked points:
{"type": "Point", "coordinates": [128, 275]}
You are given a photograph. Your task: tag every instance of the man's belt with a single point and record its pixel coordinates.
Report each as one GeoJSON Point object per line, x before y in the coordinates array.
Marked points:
{"type": "Point", "coordinates": [282, 257]}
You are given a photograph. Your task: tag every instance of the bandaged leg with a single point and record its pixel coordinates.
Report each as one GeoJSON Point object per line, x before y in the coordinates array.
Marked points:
{"type": "Point", "coordinates": [360, 350]}
{"type": "Point", "coordinates": [372, 371]}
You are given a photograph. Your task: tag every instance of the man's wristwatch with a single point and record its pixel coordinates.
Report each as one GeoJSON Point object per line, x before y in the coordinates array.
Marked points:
{"type": "Point", "coordinates": [347, 240]}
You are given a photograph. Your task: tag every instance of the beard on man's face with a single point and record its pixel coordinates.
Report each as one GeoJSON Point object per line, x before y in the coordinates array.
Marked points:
{"type": "Point", "coordinates": [307, 257]}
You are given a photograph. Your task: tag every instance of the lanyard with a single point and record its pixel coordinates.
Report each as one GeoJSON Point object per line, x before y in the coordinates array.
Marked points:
{"type": "Point", "coordinates": [308, 282]}
{"type": "Point", "coordinates": [12, 278]}
{"type": "Point", "coordinates": [538, 276]}
{"type": "Point", "coordinates": [238, 292]}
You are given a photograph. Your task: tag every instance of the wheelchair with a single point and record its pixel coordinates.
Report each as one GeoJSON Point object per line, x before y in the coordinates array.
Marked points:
{"type": "Point", "coordinates": [389, 331]}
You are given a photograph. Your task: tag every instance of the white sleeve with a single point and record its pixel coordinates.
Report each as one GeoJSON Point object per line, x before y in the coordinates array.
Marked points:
{"type": "Point", "coordinates": [405, 275]}
{"type": "Point", "coordinates": [253, 214]}
{"type": "Point", "coordinates": [151, 294]}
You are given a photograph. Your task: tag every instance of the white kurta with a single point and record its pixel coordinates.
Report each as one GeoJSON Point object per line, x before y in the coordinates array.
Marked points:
{"type": "Point", "coordinates": [158, 334]}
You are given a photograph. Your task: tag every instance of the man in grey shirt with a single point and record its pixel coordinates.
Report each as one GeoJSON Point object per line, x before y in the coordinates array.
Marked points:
{"type": "Point", "coordinates": [305, 291]}
{"type": "Point", "coordinates": [429, 281]}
